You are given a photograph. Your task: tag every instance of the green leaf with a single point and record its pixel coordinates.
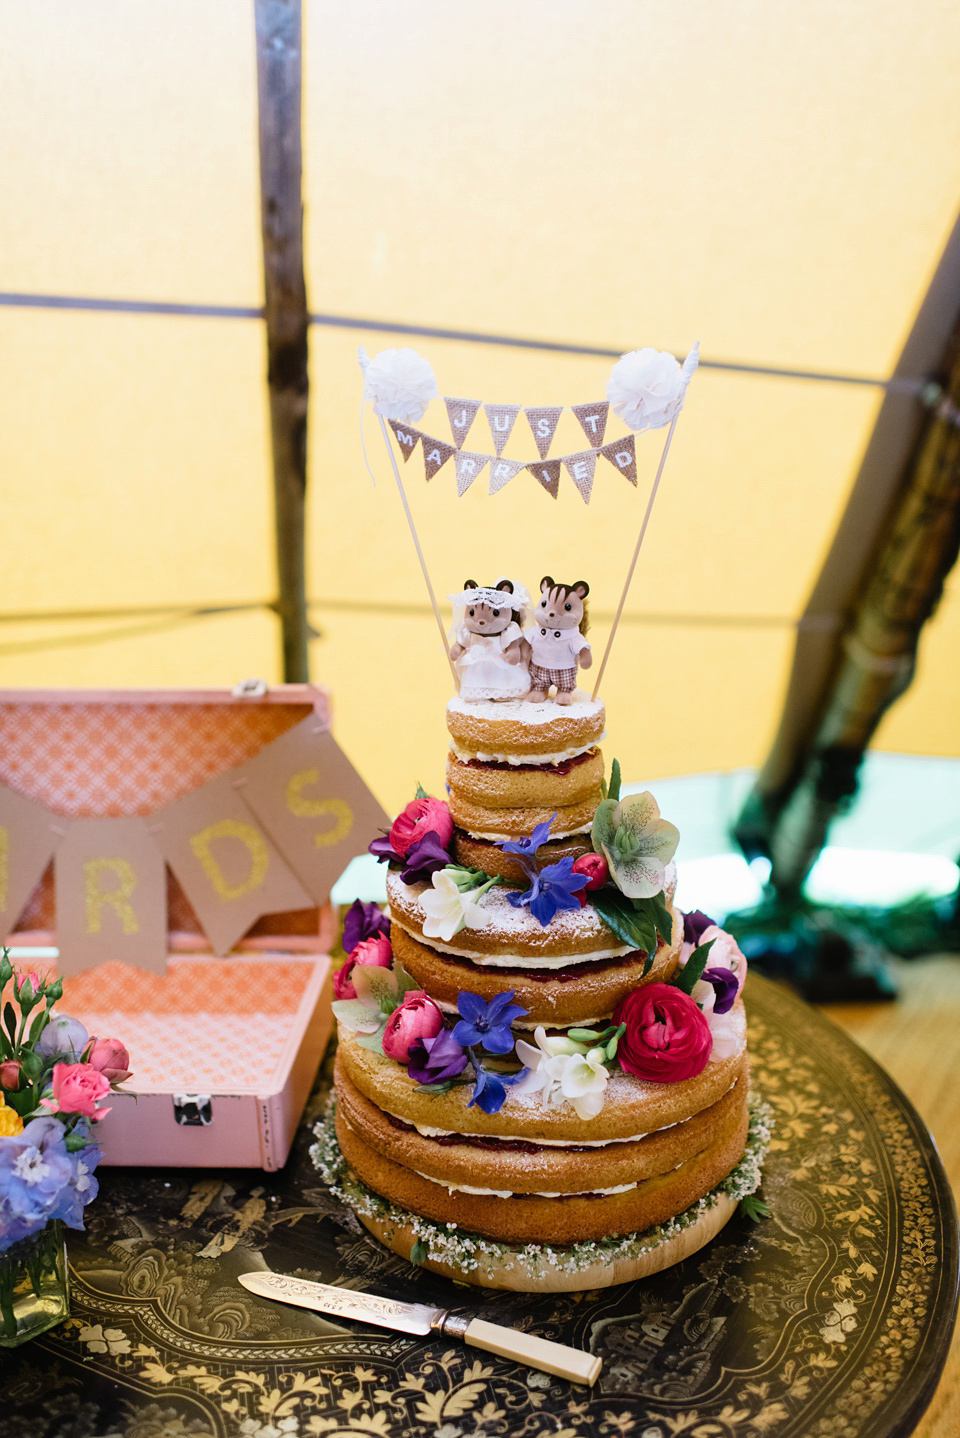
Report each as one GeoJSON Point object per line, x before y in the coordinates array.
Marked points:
{"type": "Point", "coordinates": [10, 1021]}
{"type": "Point", "coordinates": [38, 1024]}
{"type": "Point", "coordinates": [421, 793]}
{"type": "Point", "coordinates": [659, 911]}
{"type": "Point", "coordinates": [444, 1087]}
{"type": "Point", "coordinates": [74, 1142]}
{"type": "Point", "coordinates": [373, 1042]}
{"type": "Point", "coordinates": [419, 1253]}
{"type": "Point", "coordinates": [405, 982]}
{"type": "Point", "coordinates": [754, 1208]}
{"type": "Point", "coordinates": [613, 791]}
{"type": "Point", "coordinates": [694, 967]}
{"type": "Point", "coordinates": [629, 922]}
{"type": "Point", "coordinates": [6, 969]}
{"type": "Point", "coordinates": [33, 1064]}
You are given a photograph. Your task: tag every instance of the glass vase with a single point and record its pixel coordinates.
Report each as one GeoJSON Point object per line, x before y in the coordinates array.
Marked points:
{"type": "Point", "coordinates": [34, 1293]}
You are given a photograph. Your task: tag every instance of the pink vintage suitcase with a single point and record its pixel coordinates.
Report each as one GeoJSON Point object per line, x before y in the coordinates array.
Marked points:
{"type": "Point", "coordinates": [224, 1050]}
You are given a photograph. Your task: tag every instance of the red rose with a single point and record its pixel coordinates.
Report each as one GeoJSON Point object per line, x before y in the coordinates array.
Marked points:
{"type": "Point", "coordinates": [667, 1038]}
{"type": "Point", "coordinates": [417, 819]}
{"type": "Point", "coordinates": [418, 1017]}
{"type": "Point", "coordinates": [597, 871]}
{"type": "Point", "coordinates": [376, 953]}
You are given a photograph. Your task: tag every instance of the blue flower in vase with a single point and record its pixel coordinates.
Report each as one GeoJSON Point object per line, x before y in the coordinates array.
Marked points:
{"type": "Point", "coordinates": [487, 1024]}
{"type": "Point", "coordinates": [554, 888]}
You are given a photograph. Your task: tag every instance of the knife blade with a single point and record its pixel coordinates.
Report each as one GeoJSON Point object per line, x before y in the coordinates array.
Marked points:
{"type": "Point", "coordinates": [418, 1319]}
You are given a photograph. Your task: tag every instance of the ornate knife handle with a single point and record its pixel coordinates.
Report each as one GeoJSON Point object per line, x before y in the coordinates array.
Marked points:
{"type": "Point", "coordinates": [571, 1363]}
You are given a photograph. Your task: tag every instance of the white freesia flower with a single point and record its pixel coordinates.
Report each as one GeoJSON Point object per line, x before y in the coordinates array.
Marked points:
{"type": "Point", "coordinates": [448, 910]}
{"type": "Point", "coordinates": [400, 384]}
{"type": "Point", "coordinates": [563, 1071]}
{"type": "Point", "coordinates": [646, 387]}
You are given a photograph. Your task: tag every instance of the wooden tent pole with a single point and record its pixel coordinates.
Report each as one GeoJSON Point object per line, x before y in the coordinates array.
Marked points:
{"type": "Point", "coordinates": [279, 71]}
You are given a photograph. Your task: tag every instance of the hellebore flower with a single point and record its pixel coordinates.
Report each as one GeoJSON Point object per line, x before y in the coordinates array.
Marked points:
{"type": "Point", "coordinates": [636, 843]}
{"type": "Point", "coordinates": [436, 1060]}
{"type": "Point", "coordinates": [486, 1024]}
{"type": "Point", "coordinates": [363, 921]}
{"type": "Point", "coordinates": [553, 888]}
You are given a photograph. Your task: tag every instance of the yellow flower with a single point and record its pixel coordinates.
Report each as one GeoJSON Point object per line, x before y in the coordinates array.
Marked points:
{"type": "Point", "coordinates": [10, 1122]}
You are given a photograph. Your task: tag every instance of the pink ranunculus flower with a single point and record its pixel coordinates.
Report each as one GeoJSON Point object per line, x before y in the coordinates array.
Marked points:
{"type": "Point", "coordinates": [376, 952]}
{"type": "Point", "coordinates": [419, 818]}
{"type": "Point", "coordinates": [10, 1074]}
{"type": "Point", "coordinates": [77, 1088]}
{"type": "Point", "coordinates": [725, 954]}
{"type": "Point", "coordinates": [109, 1057]}
{"type": "Point", "coordinates": [667, 1038]}
{"type": "Point", "coordinates": [416, 1018]}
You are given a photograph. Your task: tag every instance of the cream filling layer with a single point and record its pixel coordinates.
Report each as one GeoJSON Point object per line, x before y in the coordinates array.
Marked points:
{"type": "Point", "coordinates": [498, 837]}
{"type": "Point", "coordinates": [509, 1192]}
{"type": "Point", "coordinates": [516, 961]}
{"type": "Point", "coordinates": [540, 760]}
{"type": "Point", "coordinates": [600, 1021]}
{"type": "Point", "coordinates": [425, 1131]}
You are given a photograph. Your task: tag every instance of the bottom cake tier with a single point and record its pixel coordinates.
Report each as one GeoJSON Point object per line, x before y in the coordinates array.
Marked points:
{"type": "Point", "coordinates": [446, 1248]}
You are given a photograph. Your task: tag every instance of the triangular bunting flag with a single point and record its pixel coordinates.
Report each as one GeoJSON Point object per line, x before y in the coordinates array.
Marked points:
{"type": "Point", "coordinates": [622, 454]}
{"type": "Point", "coordinates": [461, 414]}
{"type": "Point", "coordinates": [502, 471]}
{"type": "Point", "coordinates": [543, 423]}
{"type": "Point", "coordinates": [581, 468]}
{"type": "Point", "coordinates": [436, 452]}
{"type": "Point", "coordinates": [407, 438]}
{"type": "Point", "coordinates": [469, 466]}
{"type": "Point", "coordinates": [593, 420]}
{"type": "Point", "coordinates": [501, 419]}
{"type": "Point", "coordinates": [548, 474]}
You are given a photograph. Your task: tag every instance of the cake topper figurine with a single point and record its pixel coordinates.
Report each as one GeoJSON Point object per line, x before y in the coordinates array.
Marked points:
{"type": "Point", "coordinates": [489, 649]}
{"type": "Point", "coordinates": [557, 643]}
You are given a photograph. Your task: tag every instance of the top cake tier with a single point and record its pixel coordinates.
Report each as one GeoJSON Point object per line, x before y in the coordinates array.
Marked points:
{"type": "Point", "coordinates": [515, 732]}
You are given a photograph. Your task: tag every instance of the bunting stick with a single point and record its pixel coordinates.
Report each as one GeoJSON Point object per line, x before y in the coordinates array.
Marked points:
{"type": "Point", "coordinates": [416, 545]}
{"type": "Point", "coordinates": [636, 553]}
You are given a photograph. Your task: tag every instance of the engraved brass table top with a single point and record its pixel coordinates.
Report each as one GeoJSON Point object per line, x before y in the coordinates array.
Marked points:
{"type": "Point", "coordinates": [829, 1319]}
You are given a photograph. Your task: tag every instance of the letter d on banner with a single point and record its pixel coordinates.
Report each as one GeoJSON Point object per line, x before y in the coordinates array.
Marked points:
{"type": "Point", "coordinates": [111, 896]}
{"type": "Point", "coordinates": [226, 865]}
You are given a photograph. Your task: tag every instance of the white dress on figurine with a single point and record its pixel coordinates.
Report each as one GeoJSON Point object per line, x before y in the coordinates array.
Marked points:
{"type": "Point", "coordinates": [483, 670]}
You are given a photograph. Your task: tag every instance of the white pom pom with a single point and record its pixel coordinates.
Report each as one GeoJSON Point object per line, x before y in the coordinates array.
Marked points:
{"type": "Point", "coordinates": [646, 387]}
{"type": "Point", "coordinates": [399, 384]}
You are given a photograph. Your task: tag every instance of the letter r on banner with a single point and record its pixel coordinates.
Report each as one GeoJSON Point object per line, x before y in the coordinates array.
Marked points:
{"type": "Point", "coordinates": [110, 882]}
{"type": "Point", "coordinates": [111, 896]}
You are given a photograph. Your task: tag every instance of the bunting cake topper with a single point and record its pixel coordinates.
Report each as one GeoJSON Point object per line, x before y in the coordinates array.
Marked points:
{"type": "Point", "coordinates": [646, 390]}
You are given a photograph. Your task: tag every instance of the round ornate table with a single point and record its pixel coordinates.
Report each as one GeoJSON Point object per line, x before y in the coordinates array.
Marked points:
{"type": "Point", "coordinates": [831, 1318]}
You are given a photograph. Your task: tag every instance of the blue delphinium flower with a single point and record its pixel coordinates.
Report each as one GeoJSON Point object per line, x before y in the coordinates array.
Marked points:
{"type": "Point", "coordinates": [555, 887]}
{"type": "Point", "coordinates": [35, 1170]}
{"type": "Point", "coordinates": [528, 847]}
{"type": "Point", "coordinates": [491, 1089]}
{"type": "Point", "coordinates": [487, 1024]}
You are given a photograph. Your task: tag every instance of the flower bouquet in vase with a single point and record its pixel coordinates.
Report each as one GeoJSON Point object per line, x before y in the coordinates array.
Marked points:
{"type": "Point", "coordinates": [53, 1079]}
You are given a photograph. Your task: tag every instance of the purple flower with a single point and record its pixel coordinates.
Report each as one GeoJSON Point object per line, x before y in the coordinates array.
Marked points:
{"type": "Point", "coordinates": [528, 847]}
{"type": "Point", "coordinates": [487, 1024]}
{"type": "Point", "coordinates": [725, 986]}
{"type": "Point", "coordinates": [35, 1176]}
{"type": "Point", "coordinates": [424, 858]}
{"type": "Point", "coordinates": [555, 887]}
{"type": "Point", "coordinates": [63, 1037]}
{"type": "Point", "coordinates": [491, 1089]}
{"type": "Point", "coordinates": [363, 921]}
{"type": "Point", "coordinates": [436, 1060]}
{"type": "Point", "coordinates": [694, 924]}
{"type": "Point", "coordinates": [383, 851]}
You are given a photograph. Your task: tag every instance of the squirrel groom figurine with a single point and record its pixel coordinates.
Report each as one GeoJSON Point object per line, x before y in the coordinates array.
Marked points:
{"type": "Point", "coordinates": [557, 643]}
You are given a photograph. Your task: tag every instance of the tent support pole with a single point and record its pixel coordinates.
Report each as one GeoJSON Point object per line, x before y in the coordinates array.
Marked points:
{"type": "Point", "coordinates": [279, 72]}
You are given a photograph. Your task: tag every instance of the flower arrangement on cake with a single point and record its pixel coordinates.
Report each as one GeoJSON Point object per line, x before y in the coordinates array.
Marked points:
{"type": "Point", "coordinates": [54, 1078]}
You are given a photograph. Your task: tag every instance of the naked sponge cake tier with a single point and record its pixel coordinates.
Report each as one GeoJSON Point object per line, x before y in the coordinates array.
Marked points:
{"type": "Point", "coordinates": [542, 1077]}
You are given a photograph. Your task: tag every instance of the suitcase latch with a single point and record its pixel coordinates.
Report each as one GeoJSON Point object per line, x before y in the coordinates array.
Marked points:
{"type": "Point", "coordinates": [193, 1110]}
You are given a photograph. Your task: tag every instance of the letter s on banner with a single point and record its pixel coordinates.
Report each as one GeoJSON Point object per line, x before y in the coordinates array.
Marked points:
{"type": "Point", "coordinates": [336, 809]}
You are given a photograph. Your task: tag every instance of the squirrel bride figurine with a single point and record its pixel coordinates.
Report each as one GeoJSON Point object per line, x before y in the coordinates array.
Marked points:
{"type": "Point", "coordinates": [557, 643]}
{"type": "Point", "coordinates": [489, 649]}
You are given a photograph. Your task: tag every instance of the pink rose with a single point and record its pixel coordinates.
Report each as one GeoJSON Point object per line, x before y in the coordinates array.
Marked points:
{"type": "Point", "coordinates": [667, 1038]}
{"type": "Point", "coordinates": [109, 1057]}
{"type": "Point", "coordinates": [419, 818]}
{"type": "Point", "coordinates": [10, 1074]}
{"type": "Point", "coordinates": [376, 952]}
{"type": "Point", "coordinates": [417, 1018]}
{"type": "Point", "coordinates": [725, 954]}
{"type": "Point", "coordinates": [77, 1088]}
{"type": "Point", "coordinates": [597, 871]}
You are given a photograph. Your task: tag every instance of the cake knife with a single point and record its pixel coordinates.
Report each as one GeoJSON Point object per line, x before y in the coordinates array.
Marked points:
{"type": "Point", "coordinates": [417, 1318]}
